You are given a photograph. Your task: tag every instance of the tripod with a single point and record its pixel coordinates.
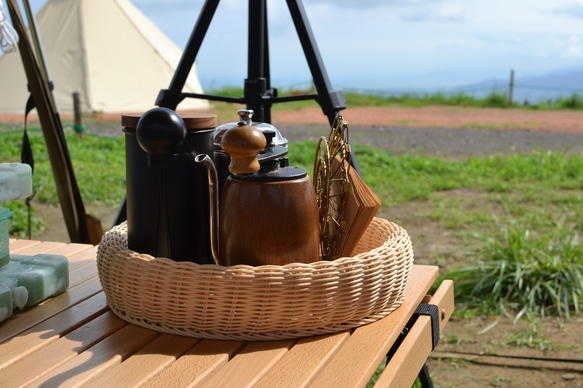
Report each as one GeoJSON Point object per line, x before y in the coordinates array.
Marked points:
{"type": "Point", "coordinates": [258, 93]}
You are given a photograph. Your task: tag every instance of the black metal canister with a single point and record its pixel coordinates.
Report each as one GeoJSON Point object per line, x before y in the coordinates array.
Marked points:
{"type": "Point", "coordinates": [167, 194]}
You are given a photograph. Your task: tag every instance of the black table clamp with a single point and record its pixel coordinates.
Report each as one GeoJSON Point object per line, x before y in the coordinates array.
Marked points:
{"type": "Point", "coordinates": [423, 309]}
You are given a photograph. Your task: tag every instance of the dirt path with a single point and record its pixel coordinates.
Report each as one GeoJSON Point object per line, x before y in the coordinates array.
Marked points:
{"type": "Point", "coordinates": [426, 117]}
{"type": "Point", "coordinates": [434, 130]}
{"type": "Point", "coordinates": [445, 117]}
{"type": "Point", "coordinates": [446, 131]}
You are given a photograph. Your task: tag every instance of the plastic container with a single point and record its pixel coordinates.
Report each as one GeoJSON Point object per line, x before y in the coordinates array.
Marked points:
{"type": "Point", "coordinates": [15, 181]}
{"type": "Point", "coordinates": [4, 235]}
{"type": "Point", "coordinates": [28, 280]}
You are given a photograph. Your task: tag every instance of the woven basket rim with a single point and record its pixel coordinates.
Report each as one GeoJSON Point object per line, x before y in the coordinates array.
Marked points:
{"type": "Point", "coordinates": [164, 260]}
{"type": "Point", "coordinates": [328, 295]}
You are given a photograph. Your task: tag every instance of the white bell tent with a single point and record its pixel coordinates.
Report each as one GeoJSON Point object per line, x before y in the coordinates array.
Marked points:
{"type": "Point", "coordinates": [107, 51]}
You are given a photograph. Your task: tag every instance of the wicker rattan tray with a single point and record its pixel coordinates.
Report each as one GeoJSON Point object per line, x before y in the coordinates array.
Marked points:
{"type": "Point", "coordinates": [257, 303]}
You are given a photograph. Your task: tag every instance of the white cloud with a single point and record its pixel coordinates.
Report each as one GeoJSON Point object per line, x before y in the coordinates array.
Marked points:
{"type": "Point", "coordinates": [443, 40]}
{"type": "Point", "coordinates": [572, 9]}
{"type": "Point", "coordinates": [574, 47]}
{"type": "Point", "coordinates": [440, 13]}
{"type": "Point", "coordinates": [365, 4]}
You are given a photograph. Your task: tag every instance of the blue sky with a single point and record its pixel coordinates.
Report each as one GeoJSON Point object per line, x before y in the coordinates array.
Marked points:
{"type": "Point", "coordinates": [387, 44]}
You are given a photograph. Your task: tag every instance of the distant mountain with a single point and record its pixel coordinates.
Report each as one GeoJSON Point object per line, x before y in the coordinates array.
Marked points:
{"type": "Point", "coordinates": [550, 86]}
{"type": "Point", "coordinates": [534, 89]}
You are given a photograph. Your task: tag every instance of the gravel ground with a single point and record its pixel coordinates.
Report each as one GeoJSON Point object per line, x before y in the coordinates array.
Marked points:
{"type": "Point", "coordinates": [448, 142]}
{"type": "Point", "coordinates": [442, 142]}
{"type": "Point", "coordinates": [432, 130]}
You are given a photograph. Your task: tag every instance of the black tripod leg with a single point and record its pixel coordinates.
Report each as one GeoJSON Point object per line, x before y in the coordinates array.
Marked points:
{"type": "Point", "coordinates": [330, 101]}
{"type": "Point", "coordinates": [267, 72]}
{"type": "Point", "coordinates": [424, 377]}
{"type": "Point", "coordinates": [256, 82]}
{"type": "Point", "coordinates": [173, 96]}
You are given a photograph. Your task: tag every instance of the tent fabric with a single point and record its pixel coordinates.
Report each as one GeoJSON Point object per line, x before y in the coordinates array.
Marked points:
{"type": "Point", "coordinates": [107, 51]}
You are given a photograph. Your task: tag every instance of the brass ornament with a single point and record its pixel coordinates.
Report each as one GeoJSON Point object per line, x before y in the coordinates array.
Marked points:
{"type": "Point", "coordinates": [332, 186]}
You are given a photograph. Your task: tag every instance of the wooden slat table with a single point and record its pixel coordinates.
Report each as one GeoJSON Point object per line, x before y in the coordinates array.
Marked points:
{"type": "Point", "coordinates": [75, 340]}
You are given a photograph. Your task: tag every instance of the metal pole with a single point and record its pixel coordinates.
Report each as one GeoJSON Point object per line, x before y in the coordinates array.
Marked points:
{"type": "Point", "coordinates": [511, 87]}
{"type": "Point", "coordinates": [272, 92]}
{"type": "Point", "coordinates": [256, 84]}
{"type": "Point", "coordinates": [82, 228]}
{"type": "Point", "coordinates": [331, 101]}
{"type": "Point", "coordinates": [173, 96]}
{"type": "Point", "coordinates": [38, 48]}
{"type": "Point", "coordinates": [78, 126]}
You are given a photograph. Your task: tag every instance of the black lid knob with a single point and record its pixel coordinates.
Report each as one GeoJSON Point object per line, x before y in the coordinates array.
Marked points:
{"type": "Point", "coordinates": [269, 137]}
{"type": "Point", "coordinates": [160, 131]}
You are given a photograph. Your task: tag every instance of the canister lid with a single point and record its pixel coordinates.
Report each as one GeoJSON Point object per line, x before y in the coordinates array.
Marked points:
{"type": "Point", "coordinates": [196, 121]}
{"type": "Point", "coordinates": [278, 175]}
{"type": "Point", "coordinates": [193, 121]}
{"type": "Point", "coordinates": [245, 116]}
{"type": "Point", "coordinates": [5, 213]}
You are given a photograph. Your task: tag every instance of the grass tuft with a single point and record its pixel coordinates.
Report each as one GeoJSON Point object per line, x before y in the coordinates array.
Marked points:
{"type": "Point", "coordinates": [532, 274]}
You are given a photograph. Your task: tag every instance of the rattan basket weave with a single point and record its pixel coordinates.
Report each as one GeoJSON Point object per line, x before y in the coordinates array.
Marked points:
{"type": "Point", "coordinates": [257, 303]}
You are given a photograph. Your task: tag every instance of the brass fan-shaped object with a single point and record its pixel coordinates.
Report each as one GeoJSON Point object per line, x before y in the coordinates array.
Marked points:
{"type": "Point", "coordinates": [332, 186]}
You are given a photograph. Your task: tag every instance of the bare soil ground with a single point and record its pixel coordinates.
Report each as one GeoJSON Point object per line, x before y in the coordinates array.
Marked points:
{"type": "Point", "coordinates": [463, 358]}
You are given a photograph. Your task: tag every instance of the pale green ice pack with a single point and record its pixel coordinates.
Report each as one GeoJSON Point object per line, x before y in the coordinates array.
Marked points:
{"type": "Point", "coordinates": [4, 236]}
{"type": "Point", "coordinates": [15, 181]}
{"type": "Point", "coordinates": [28, 280]}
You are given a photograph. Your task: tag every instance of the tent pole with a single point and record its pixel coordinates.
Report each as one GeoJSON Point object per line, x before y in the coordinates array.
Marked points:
{"type": "Point", "coordinates": [35, 37]}
{"type": "Point", "coordinates": [82, 227]}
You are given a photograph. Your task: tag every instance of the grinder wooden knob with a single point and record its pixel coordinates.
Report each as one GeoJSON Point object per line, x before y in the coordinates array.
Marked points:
{"type": "Point", "coordinates": [243, 143]}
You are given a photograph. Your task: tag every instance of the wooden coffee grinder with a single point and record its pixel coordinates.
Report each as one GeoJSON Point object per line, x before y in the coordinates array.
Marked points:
{"type": "Point", "coordinates": [268, 213]}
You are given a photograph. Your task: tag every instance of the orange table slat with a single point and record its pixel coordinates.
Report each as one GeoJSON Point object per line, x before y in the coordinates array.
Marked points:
{"type": "Point", "coordinates": [75, 340]}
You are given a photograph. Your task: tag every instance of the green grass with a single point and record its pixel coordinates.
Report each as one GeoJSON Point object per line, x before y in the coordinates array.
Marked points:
{"type": "Point", "coordinates": [434, 375]}
{"type": "Point", "coordinates": [530, 338]}
{"type": "Point", "coordinates": [407, 177]}
{"type": "Point", "coordinates": [19, 225]}
{"type": "Point", "coordinates": [494, 99]}
{"type": "Point", "coordinates": [516, 219]}
{"type": "Point", "coordinates": [574, 101]}
{"type": "Point", "coordinates": [98, 162]}
{"type": "Point", "coordinates": [530, 273]}
{"type": "Point", "coordinates": [530, 261]}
